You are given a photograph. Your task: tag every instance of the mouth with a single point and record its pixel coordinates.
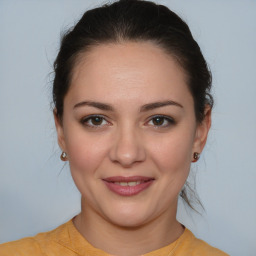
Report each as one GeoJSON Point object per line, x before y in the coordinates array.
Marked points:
{"type": "Point", "coordinates": [128, 186]}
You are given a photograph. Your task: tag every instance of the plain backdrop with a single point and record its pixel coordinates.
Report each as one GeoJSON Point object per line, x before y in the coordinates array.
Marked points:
{"type": "Point", "coordinates": [36, 191]}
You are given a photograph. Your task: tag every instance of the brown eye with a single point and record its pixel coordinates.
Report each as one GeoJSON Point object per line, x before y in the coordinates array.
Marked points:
{"type": "Point", "coordinates": [158, 120]}
{"type": "Point", "coordinates": [161, 121]}
{"type": "Point", "coordinates": [94, 121]}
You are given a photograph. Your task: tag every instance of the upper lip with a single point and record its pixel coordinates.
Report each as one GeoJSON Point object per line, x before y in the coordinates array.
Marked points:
{"type": "Point", "coordinates": [127, 179]}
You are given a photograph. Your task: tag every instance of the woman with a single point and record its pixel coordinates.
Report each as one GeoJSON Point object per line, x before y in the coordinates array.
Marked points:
{"type": "Point", "coordinates": [132, 111]}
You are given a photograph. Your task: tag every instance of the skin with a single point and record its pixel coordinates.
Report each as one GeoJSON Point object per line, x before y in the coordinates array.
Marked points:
{"type": "Point", "coordinates": [128, 141]}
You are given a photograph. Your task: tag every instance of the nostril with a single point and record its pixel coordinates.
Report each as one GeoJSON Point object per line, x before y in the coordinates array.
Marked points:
{"type": "Point", "coordinates": [127, 148]}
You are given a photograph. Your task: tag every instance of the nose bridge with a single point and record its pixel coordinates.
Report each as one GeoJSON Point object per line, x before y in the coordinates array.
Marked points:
{"type": "Point", "coordinates": [128, 146]}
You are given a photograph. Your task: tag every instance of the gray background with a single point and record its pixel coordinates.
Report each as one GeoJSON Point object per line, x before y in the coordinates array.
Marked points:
{"type": "Point", "coordinates": [37, 192]}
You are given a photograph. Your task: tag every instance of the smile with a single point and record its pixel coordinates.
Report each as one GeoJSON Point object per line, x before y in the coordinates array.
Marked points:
{"type": "Point", "coordinates": [128, 186]}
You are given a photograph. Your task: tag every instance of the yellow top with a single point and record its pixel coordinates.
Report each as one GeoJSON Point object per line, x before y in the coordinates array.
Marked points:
{"type": "Point", "coordinates": [67, 241]}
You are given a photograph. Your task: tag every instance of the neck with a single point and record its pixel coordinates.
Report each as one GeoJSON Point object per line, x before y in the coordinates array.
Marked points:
{"type": "Point", "coordinates": [105, 235]}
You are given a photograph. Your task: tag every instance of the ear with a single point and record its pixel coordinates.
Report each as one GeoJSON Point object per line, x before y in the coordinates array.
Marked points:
{"type": "Point", "coordinates": [202, 130]}
{"type": "Point", "coordinates": [60, 132]}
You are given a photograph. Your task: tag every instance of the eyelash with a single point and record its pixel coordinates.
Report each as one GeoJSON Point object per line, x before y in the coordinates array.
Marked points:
{"type": "Point", "coordinates": [170, 121]}
{"type": "Point", "coordinates": [85, 121]}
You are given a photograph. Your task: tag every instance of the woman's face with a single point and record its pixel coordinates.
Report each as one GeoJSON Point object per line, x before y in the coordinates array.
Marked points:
{"type": "Point", "coordinates": [129, 130]}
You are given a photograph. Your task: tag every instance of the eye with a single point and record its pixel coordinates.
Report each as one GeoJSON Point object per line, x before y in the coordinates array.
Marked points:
{"type": "Point", "coordinates": [94, 121]}
{"type": "Point", "coordinates": [161, 121]}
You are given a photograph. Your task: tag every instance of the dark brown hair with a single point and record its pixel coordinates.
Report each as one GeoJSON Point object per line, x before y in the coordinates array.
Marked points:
{"type": "Point", "coordinates": [139, 21]}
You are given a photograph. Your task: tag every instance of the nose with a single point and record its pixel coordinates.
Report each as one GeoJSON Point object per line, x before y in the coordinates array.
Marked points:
{"type": "Point", "coordinates": [127, 148]}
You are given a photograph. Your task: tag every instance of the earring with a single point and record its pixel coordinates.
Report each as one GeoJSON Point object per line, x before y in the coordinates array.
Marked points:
{"type": "Point", "coordinates": [64, 156]}
{"type": "Point", "coordinates": [196, 156]}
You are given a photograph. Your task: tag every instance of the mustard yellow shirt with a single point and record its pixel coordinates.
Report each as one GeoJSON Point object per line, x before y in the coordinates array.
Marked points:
{"type": "Point", "coordinates": [67, 241]}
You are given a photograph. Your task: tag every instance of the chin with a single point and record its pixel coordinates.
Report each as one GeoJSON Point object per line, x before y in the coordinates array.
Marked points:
{"type": "Point", "coordinates": [128, 222]}
{"type": "Point", "coordinates": [127, 216]}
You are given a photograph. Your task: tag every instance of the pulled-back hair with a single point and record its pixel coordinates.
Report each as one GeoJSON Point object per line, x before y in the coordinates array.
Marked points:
{"type": "Point", "coordinates": [137, 21]}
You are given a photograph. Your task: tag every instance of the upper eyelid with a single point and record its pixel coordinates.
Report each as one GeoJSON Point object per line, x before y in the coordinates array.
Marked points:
{"type": "Point", "coordinates": [94, 115]}
{"type": "Point", "coordinates": [86, 118]}
{"type": "Point", "coordinates": [163, 116]}
{"type": "Point", "coordinates": [170, 121]}
{"type": "Point", "coordinates": [169, 118]}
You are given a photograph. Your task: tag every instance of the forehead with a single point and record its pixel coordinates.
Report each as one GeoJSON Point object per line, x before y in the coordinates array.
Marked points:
{"type": "Point", "coordinates": [132, 70]}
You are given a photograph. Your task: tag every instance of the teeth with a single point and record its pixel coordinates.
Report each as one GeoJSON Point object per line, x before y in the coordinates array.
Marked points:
{"type": "Point", "coordinates": [130, 184]}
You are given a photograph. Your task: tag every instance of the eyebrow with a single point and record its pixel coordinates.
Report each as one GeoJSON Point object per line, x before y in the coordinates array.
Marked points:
{"type": "Point", "coordinates": [144, 108]}
{"type": "Point", "coordinates": [151, 106]}
{"type": "Point", "coordinates": [94, 104]}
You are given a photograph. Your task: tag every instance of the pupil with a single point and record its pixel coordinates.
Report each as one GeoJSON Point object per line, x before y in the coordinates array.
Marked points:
{"type": "Point", "coordinates": [97, 120]}
{"type": "Point", "coordinates": [158, 120]}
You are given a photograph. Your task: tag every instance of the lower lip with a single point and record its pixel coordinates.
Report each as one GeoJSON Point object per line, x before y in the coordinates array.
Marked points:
{"type": "Point", "coordinates": [128, 190]}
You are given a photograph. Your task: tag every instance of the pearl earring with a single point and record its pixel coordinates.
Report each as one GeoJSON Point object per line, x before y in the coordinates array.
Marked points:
{"type": "Point", "coordinates": [196, 156]}
{"type": "Point", "coordinates": [64, 156]}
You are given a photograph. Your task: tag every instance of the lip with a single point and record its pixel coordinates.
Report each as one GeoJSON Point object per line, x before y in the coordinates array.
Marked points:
{"type": "Point", "coordinates": [128, 190]}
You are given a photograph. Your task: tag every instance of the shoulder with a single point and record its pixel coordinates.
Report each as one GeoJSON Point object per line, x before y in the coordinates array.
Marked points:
{"type": "Point", "coordinates": [190, 245]}
{"type": "Point", "coordinates": [43, 244]}
{"type": "Point", "coordinates": [22, 247]}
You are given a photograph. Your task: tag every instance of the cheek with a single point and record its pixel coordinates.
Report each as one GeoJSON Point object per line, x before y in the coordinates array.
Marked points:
{"type": "Point", "coordinates": [172, 154]}
{"type": "Point", "coordinates": [85, 152]}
